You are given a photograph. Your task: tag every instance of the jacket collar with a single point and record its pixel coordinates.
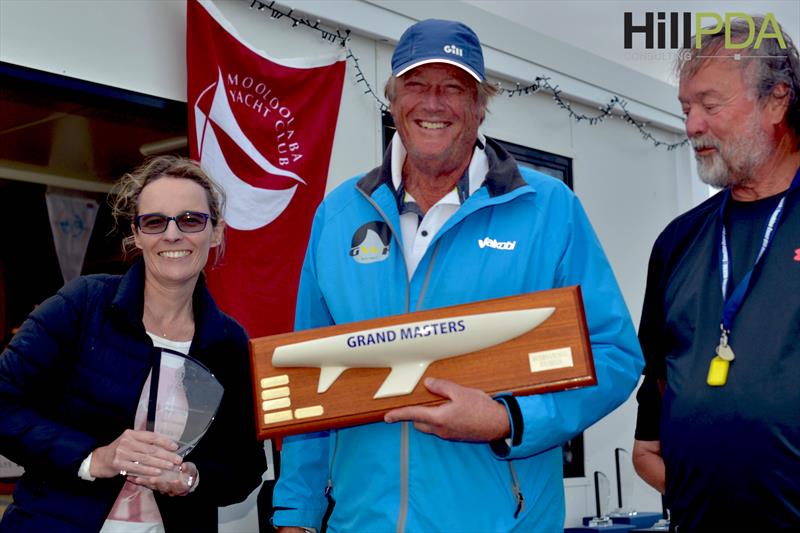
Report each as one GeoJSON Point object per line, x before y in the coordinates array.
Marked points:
{"type": "Point", "coordinates": [128, 304]}
{"type": "Point", "coordinates": [503, 175]}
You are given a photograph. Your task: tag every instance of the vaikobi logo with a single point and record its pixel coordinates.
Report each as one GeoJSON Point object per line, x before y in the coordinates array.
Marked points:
{"type": "Point", "coordinates": [371, 243]}
{"type": "Point", "coordinates": [656, 24]}
{"type": "Point", "coordinates": [488, 242]}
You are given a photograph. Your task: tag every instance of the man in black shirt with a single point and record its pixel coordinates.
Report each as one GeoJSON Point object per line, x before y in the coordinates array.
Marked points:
{"type": "Point", "coordinates": [718, 428]}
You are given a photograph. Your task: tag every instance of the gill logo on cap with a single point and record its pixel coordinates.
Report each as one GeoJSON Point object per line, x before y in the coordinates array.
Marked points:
{"type": "Point", "coordinates": [453, 49]}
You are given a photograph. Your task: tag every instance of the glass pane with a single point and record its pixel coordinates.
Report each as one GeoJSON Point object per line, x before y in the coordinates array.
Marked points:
{"type": "Point", "coordinates": [602, 488]}
{"type": "Point", "coordinates": [550, 171]}
{"type": "Point", "coordinates": [625, 480]}
{"type": "Point", "coordinates": [188, 398]}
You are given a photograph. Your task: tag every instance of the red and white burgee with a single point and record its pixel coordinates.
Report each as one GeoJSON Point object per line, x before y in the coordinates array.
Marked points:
{"type": "Point", "coordinates": [263, 129]}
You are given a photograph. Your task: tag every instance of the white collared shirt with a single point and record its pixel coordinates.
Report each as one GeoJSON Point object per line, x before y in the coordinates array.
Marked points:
{"type": "Point", "coordinates": [417, 235]}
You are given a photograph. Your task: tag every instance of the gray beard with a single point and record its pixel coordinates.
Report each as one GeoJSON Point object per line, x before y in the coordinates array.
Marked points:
{"type": "Point", "coordinates": [714, 171]}
{"type": "Point", "coordinates": [733, 165]}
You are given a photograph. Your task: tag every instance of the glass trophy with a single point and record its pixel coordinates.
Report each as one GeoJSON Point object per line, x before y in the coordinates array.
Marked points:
{"type": "Point", "coordinates": [602, 498]}
{"type": "Point", "coordinates": [625, 483]}
{"type": "Point", "coordinates": [186, 401]}
{"type": "Point", "coordinates": [625, 513]}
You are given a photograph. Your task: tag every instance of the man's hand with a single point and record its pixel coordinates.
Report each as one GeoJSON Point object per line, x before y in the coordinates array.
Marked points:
{"type": "Point", "coordinates": [471, 415]}
{"type": "Point", "coordinates": [138, 453]}
{"type": "Point", "coordinates": [649, 464]}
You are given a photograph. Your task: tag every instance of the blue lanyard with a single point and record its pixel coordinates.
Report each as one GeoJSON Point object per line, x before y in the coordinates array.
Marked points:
{"type": "Point", "coordinates": [734, 303]}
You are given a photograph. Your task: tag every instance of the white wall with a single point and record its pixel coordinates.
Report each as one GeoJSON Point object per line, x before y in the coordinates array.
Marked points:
{"type": "Point", "coordinates": [138, 45]}
{"type": "Point", "coordinates": [629, 188]}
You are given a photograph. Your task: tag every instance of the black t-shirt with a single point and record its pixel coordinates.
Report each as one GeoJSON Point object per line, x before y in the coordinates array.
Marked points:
{"type": "Point", "coordinates": [732, 453]}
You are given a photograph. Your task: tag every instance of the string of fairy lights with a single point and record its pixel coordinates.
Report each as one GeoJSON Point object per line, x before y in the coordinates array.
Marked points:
{"type": "Point", "coordinates": [541, 83]}
{"type": "Point", "coordinates": [616, 102]}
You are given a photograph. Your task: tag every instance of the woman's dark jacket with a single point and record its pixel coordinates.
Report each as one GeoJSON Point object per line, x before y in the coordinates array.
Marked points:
{"type": "Point", "coordinates": [70, 382]}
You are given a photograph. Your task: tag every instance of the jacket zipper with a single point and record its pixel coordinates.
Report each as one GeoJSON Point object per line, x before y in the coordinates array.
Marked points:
{"type": "Point", "coordinates": [402, 512]}
{"type": "Point", "coordinates": [397, 238]}
{"type": "Point", "coordinates": [405, 429]}
{"type": "Point", "coordinates": [516, 490]}
{"type": "Point", "coordinates": [329, 486]}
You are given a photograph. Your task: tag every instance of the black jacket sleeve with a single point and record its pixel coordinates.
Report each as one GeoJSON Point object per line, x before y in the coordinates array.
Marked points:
{"type": "Point", "coordinates": [39, 355]}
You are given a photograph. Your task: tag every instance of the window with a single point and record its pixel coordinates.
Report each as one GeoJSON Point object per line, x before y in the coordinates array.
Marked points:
{"type": "Point", "coordinates": [558, 166]}
{"type": "Point", "coordinates": [57, 127]}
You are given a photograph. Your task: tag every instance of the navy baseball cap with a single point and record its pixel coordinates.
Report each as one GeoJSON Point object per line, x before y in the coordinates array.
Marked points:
{"type": "Point", "coordinates": [439, 41]}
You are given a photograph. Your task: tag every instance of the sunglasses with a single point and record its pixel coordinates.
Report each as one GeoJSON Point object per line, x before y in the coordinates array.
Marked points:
{"type": "Point", "coordinates": [188, 222]}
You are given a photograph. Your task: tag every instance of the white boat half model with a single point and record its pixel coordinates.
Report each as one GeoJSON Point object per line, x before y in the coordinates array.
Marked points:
{"type": "Point", "coordinates": [407, 349]}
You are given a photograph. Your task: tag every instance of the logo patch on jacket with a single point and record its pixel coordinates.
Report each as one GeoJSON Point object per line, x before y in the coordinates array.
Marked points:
{"type": "Point", "coordinates": [371, 243]}
{"type": "Point", "coordinates": [497, 245]}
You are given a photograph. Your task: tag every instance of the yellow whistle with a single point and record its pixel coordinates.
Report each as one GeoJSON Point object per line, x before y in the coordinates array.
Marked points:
{"type": "Point", "coordinates": [718, 372]}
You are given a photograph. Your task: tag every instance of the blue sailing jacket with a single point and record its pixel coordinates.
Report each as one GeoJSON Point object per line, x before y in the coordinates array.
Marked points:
{"type": "Point", "coordinates": [522, 231]}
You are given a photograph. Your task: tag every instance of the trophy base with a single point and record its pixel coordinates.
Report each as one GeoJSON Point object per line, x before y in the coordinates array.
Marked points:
{"type": "Point", "coordinates": [608, 528]}
{"type": "Point", "coordinates": [639, 519]}
{"type": "Point", "coordinates": [661, 525]}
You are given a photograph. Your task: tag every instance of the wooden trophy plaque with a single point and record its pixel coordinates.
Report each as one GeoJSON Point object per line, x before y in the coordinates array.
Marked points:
{"type": "Point", "coordinates": [354, 373]}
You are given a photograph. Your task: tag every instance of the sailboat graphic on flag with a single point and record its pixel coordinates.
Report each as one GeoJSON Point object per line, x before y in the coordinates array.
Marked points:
{"type": "Point", "coordinates": [248, 207]}
{"type": "Point", "coordinates": [263, 129]}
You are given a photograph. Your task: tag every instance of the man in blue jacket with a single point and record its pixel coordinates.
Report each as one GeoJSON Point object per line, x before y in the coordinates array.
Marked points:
{"type": "Point", "coordinates": [450, 218]}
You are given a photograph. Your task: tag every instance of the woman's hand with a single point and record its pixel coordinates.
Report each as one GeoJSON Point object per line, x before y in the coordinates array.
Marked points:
{"type": "Point", "coordinates": [135, 453]}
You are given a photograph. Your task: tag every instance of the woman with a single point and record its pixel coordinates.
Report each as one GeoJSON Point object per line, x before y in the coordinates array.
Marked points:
{"type": "Point", "coordinates": [75, 380]}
